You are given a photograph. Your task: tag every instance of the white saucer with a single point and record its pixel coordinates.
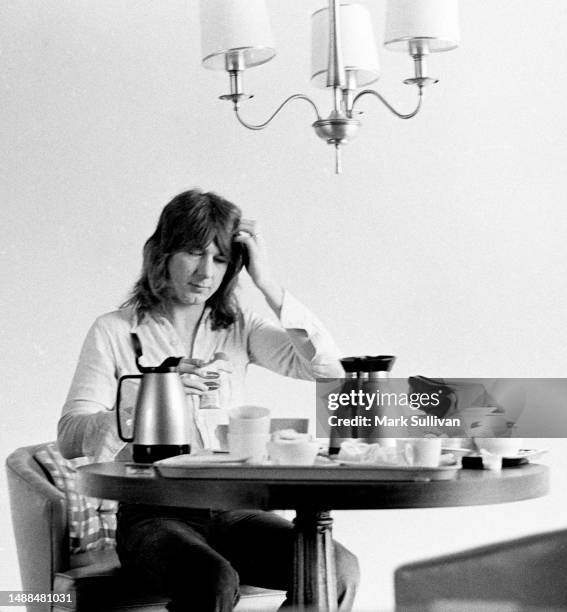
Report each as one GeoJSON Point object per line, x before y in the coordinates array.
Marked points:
{"type": "Point", "coordinates": [524, 453]}
{"type": "Point", "coordinates": [457, 452]}
{"type": "Point", "coordinates": [527, 453]}
{"type": "Point", "coordinates": [202, 459]}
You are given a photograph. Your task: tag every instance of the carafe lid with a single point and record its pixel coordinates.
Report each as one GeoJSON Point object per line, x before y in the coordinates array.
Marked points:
{"type": "Point", "coordinates": [168, 365]}
{"type": "Point", "coordinates": [351, 364]}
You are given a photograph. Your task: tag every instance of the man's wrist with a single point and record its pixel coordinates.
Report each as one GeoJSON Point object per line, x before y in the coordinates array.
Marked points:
{"type": "Point", "coordinates": [273, 293]}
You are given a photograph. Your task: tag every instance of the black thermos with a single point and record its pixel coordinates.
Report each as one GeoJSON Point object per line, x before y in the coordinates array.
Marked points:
{"type": "Point", "coordinates": [340, 433]}
{"type": "Point", "coordinates": [377, 369]}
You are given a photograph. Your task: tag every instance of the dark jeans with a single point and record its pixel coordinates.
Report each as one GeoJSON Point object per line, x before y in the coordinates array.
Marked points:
{"type": "Point", "coordinates": [199, 557]}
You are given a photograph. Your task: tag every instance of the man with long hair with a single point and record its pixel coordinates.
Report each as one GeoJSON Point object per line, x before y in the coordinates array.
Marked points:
{"type": "Point", "coordinates": [184, 304]}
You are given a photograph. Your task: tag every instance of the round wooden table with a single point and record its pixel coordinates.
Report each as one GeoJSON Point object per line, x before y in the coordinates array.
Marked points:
{"type": "Point", "coordinates": [312, 492]}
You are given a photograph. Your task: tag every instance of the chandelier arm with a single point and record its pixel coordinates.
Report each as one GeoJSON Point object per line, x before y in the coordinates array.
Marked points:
{"type": "Point", "coordinates": [261, 126]}
{"type": "Point", "coordinates": [387, 104]}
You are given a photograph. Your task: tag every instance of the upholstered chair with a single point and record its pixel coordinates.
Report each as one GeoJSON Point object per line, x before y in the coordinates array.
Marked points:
{"type": "Point", "coordinates": [93, 579]}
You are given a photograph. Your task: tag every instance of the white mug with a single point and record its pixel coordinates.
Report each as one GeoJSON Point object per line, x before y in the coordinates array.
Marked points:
{"type": "Point", "coordinates": [419, 452]}
{"type": "Point", "coordinates": [483, 421]}
{"type": "Point", "coordinates": [249, 420]}
{"type": "Point", "coordinates": [250, 446]}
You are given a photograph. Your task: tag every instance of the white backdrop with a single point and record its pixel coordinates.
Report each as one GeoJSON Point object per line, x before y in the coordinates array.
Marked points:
{"type": "Point", "coordinates": [443, 242]}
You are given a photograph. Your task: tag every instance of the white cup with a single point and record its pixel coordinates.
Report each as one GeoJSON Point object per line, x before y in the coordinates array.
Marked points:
{"type": "Point", "coordinates": [419, 452]}
{"type": "Point", "coordinates": [250, 446]}
{"type": "Point", "coordinates": [249, 420]}
{"type": "Point", "coordinates": [484, 421]}
{"type": "Point", "coordinates": [491, 462]}
{"type": "Point", "coordinates": [474, 419]}
{"type": "Point", "coordinates": [505, 447]}
{"type": "Point", "coordinates": [293, 452]}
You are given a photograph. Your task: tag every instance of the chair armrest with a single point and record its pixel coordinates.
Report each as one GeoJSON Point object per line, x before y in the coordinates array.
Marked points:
{"type": "Point", "coordinates": [39, 518]}
{"type": "Point", "coordinates": [528, 570]}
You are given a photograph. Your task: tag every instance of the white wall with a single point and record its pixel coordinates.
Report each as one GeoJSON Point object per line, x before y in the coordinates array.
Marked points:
{"type": "Point", "coordinates": [442, 242]}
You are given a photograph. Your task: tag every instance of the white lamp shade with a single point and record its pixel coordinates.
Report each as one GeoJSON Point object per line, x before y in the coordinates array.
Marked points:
{"type": "Point", "coordinates": [235, 28]}
{"type": "Point", "coordinates": [359, 53]}
{"type": "Point", "coordinates": [435, 22]}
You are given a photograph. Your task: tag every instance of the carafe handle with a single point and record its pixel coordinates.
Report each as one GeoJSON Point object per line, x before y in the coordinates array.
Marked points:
{"type": "Point", "coordinates": [122, 378]}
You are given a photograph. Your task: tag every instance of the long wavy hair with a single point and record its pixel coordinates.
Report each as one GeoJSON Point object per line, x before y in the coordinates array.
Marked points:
{"type": "Point", "coordinates": [192, 220]}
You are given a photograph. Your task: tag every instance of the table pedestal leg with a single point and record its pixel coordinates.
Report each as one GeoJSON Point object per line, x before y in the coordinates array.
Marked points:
{"type": "Point", "coordinates": [314, 580]}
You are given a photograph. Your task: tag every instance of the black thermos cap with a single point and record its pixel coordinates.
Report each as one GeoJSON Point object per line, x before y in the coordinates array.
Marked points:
{"type": "Point", "coordinates": [378, 363]}
{"type": "Point", "coordinates": [351, 364]}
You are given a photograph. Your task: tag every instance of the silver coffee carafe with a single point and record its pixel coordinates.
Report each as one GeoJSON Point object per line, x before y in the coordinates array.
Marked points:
{"type": "Point", "coordinates": [160, 427]}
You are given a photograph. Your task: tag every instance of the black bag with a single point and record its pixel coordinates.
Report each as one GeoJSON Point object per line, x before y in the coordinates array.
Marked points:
{"type": "Point", "coordinates": [455, 395]}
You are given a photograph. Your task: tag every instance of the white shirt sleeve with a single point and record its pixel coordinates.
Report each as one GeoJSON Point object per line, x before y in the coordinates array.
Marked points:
{"type": "Point", "coordinates": [88, 422]}
{"type": "Point", "coordinates": [299, 347]}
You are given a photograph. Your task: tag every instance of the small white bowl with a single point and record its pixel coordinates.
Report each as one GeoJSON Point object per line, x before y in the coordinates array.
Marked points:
{"type": "Point", "coordinates": [505, 447]}
{"type": "Point", "coordinates": [293, 452]}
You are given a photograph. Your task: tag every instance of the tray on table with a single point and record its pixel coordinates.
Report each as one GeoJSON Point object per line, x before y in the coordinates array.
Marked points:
{"type": "Point", "coordinates": [182, 467]}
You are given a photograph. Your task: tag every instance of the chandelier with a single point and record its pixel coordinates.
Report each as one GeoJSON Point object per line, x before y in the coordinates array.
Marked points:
{"type": "Point", "coordinates": [236, 35]}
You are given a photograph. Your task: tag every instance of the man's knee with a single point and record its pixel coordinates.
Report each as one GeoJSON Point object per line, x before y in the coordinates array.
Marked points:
{"type": "Point", "coordinates": [218, 577]}
{"type": "Point", "coordinates": [228, 580]}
